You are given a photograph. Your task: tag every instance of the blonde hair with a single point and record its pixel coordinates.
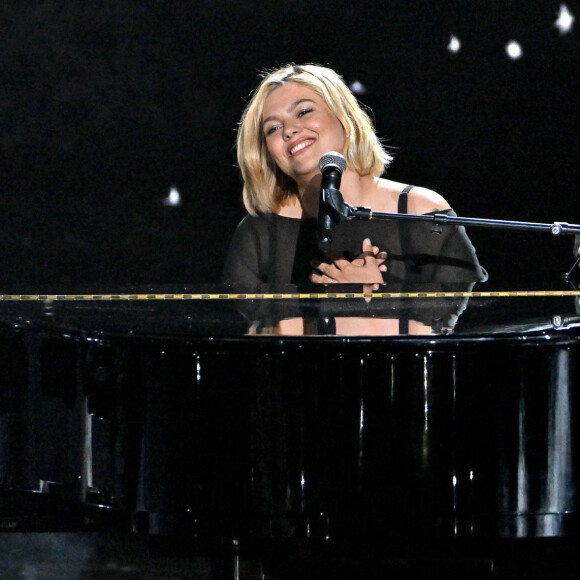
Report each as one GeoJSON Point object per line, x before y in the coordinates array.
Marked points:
{"type": "Point", "coordinates": [265, 185]}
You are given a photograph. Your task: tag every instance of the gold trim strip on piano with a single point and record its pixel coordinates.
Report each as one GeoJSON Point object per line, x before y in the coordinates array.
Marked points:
{"type": "Point", "coordinates": [280, 296]}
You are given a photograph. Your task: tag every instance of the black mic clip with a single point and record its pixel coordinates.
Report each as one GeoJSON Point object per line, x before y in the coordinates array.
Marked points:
{"type": "Point", "coordinates": [333, 212]}
{"type": "Point", "coordinates": [359, 212]}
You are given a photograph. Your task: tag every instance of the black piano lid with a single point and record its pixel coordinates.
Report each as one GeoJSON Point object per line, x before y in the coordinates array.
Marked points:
{"type": "Point", "coordinates": [209, 311]}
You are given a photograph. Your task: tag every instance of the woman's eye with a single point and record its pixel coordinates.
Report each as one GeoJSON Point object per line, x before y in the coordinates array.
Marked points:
{"type": "Point", "coordinates": [304, 112]}
{"type": "Point", "coordinates": [272, 129]}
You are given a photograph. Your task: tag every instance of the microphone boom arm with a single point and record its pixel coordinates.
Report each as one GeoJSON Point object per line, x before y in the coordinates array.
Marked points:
{"type": "Point", "coordinates": [365, 213]}
{"type": "Point", "coordinates": [556, 229]}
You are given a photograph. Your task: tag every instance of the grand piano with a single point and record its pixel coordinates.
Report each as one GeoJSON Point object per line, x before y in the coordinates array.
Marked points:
{"type": "Point", "coordinates": [403, 420]}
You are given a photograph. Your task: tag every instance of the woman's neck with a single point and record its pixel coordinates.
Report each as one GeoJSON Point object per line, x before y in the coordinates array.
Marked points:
{"type": "Point", "coordinates": [355, 190]}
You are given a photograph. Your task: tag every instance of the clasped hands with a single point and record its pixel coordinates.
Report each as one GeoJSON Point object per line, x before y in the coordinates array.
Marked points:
{"type": "Point", "coordinates": [366, 269]}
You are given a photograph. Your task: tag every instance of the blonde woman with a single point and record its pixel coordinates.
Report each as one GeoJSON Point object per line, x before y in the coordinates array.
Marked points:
{"type": "Point", "coordinates": [296, 115]}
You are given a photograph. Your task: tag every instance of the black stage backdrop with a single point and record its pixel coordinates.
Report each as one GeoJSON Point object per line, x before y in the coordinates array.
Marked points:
{"type": "Point", "coordinates": [107, 105]}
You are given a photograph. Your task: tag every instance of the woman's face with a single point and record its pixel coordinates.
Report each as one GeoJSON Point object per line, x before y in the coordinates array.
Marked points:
{"type": "Point", "coordinates": [299, 129]}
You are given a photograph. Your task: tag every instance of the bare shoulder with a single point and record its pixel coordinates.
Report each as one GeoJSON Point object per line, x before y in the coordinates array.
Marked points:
{"type": "Point", "coordinates": [423, 200]}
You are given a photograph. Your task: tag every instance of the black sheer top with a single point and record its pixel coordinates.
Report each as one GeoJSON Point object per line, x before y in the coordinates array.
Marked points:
{"type": "Point", "coordinates": [268, 252]}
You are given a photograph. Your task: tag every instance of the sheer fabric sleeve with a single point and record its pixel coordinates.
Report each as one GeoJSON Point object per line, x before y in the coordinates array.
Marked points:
{"type": "Point", "coordinates": [244, 264]}
{"type": "Point", "coordinates": [458, 260]}
{"type": "Point", "coordinates": [441, 254]}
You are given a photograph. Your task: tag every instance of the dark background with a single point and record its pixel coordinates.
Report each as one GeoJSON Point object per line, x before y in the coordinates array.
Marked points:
{"type": "Point", "coordinates": [106, 105]}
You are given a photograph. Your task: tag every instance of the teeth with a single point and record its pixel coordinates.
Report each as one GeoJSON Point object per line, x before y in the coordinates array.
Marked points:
{"type": "Point", "coordinates": [300, 146]}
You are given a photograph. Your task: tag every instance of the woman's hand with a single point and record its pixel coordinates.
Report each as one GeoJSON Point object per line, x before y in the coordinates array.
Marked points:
{"type": "Point", "coordinates": [366, 269]}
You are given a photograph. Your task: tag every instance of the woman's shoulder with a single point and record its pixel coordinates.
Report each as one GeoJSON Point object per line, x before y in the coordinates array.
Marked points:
{"type": "Point", "coordinates": [421, 199]}
{"type": "Point", "coordinates": [261, 222]}
{"type": "Point", "coordinates": [251, 224]}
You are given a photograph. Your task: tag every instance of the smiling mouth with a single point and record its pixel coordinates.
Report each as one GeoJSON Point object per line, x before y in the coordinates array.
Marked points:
{"type": "Point", "coordinates": [300, 146]}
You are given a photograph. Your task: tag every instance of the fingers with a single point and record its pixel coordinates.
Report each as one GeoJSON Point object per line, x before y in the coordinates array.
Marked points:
{"type": "Point", "coordinates": [365, 268]}
{"type": "Point", "coordinates": [368, 249]}
{"type": "Point", "coordinates": [321, 279]}
{"type": "Point", "coordinates": [369, 289]}
{"type": "Point", "coordinates": [324, 273]}
{"type": "Point", "coordinates": [373, 252]}
{"type": "Point", "coordinates": [381, 257]}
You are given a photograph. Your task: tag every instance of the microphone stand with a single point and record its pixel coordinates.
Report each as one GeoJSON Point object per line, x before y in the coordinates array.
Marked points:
{"type": "Point", "coordinates": [341, 211]}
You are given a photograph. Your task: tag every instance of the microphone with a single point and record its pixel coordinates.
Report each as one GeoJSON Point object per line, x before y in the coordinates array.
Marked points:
{"type": "Point", "coordinates": [331, 205]}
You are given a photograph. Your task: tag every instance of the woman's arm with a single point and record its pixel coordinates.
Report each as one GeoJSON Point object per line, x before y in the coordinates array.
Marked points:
{"type": "Point", "coordinates": [242, 268]}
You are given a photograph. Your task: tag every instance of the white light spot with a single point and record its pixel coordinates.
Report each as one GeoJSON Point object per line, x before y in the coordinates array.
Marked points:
{"type": "Point", "coordinates": [514, 50]}
{"type": "Point", "coordinates": [174, 197]}
{"type": "Point", "coordinates": [358, 88]}
{"type": "Point", "coordinates": [454, 44]}
{"type": "Point", "coordinates": [565, 20]}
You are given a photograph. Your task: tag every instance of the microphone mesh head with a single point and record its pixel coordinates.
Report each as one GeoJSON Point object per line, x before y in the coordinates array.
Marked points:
{"type": "Point", "coordinates": [332, 158]}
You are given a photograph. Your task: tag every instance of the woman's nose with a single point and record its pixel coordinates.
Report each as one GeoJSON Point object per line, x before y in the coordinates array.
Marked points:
{"type": "Point", "coordinates": [289, 131]}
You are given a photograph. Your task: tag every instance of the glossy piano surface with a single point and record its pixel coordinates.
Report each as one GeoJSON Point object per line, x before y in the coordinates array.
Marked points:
{"type": "Point", "coordinates": [213, 311]}
{"type": "Point", "coordinates": [415, 415]}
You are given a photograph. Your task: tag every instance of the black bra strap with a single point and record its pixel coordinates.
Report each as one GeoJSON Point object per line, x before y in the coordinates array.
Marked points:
{"type": "Point", "coordinates": [403, 198]}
